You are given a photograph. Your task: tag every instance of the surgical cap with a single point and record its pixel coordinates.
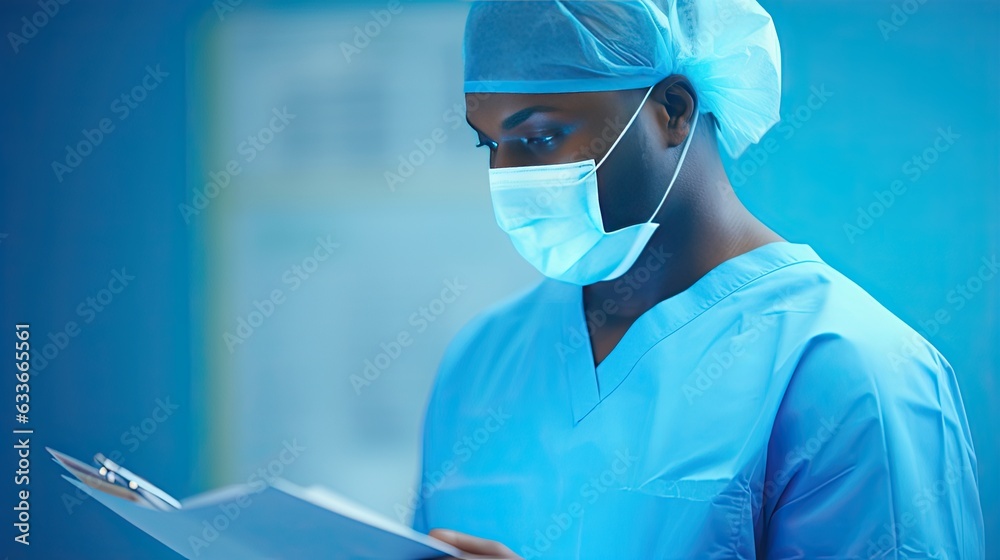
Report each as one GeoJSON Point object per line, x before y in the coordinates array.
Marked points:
{"type": "Point", "coordinates": [727, 49]}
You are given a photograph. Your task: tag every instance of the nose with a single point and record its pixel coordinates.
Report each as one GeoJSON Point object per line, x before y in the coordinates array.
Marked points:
{"type": "Point", "coordinates": [500, 158]}
{"type": "Point", "coordinates": [511, 156]}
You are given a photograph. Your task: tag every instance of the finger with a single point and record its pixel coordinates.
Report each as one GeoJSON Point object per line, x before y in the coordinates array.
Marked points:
{"type": "Point", "coordinates": [474, 545]}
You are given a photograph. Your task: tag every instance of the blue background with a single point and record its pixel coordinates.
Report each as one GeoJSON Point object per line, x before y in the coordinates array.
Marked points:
{"type": "Point", "coordinates": [890, 95]}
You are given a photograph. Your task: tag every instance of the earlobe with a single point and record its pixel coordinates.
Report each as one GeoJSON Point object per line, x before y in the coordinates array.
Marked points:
{"type": "Point", "coordinates": [663, 122]}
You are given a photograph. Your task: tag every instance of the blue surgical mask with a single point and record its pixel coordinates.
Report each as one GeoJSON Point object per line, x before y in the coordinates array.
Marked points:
{"type": "Point", "coordinates": [553, 216]}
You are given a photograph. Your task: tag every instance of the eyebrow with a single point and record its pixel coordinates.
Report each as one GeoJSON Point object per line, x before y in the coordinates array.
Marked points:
{"type": "Point", "coordinates": [523, 115]}
{"type": "Point", "coordinates": [518, 117]}
{"type": "Point", "coordinates": [515, 119]}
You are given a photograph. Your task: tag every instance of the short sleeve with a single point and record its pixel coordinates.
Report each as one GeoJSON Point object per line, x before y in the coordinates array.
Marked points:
{"type": "Point", "coordinates": [870, 457]}
{"type": "Point", "coordinates": [421, 496]}
{"type": "Point", "coordinates": [420, 519]}
{"type": "Point", "coordinates": [418, 495]}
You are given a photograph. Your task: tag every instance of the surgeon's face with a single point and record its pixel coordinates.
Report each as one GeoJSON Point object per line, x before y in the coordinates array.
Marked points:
{"type": "Point", "coordinates": [541, 129]}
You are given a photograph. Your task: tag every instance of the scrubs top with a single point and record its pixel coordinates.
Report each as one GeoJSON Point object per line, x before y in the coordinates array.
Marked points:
{"type": "Point", "coordinates": [771, 410]}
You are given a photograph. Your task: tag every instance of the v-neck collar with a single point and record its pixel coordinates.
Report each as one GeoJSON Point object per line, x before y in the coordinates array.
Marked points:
{"type": "Point", "coordinates": [589, 385]}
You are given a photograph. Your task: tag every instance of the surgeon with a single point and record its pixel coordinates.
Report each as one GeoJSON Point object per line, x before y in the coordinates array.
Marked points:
{"type": "Point", "coordinates": [684, 382]}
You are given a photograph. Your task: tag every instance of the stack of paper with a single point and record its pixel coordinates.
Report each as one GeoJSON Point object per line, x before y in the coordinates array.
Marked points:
{"type": "Point", "coordinates": [281, 520]}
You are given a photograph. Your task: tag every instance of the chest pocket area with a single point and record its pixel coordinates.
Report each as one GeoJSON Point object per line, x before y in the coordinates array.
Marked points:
{"type": "Point", "coordinates": [692, 519]}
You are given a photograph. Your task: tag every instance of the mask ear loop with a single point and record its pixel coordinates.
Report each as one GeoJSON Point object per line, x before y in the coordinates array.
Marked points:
{"type": "Point", "coordinates": [680, 162]}
{"type": "Point", "coordinates": [622, 135]}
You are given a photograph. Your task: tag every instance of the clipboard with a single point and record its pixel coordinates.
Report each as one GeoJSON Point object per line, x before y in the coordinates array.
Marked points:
{"type": "Point", "coordinates": [280, 521]}
{"type": "Point", "coordinates": [133, 488]}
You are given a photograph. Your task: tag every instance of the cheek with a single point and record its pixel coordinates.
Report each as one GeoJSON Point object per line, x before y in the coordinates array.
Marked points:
{"type": "Point", "coordinates": [626, 186]}
{"type": "Point", "coordinates": [593, 144]}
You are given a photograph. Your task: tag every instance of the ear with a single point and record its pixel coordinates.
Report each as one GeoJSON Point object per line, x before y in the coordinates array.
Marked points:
{"type": "Point", "coordinates": [676, 102]}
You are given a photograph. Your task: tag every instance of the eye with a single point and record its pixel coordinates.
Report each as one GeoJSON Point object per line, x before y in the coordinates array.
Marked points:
{"type": "Point", "coordinates": [546, 141]}
{"type": "Point", "coordinates": [484, 141]}
{"type": "Point", "coordinates": [540, 140]}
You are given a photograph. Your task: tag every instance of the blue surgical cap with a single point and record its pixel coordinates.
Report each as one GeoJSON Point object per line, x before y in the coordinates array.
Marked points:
{"type": "Point", "coordinates": [727, 49]}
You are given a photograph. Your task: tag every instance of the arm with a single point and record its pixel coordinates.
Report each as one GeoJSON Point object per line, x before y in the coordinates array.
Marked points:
{"type": "Point", "coordinates": [871, 457]}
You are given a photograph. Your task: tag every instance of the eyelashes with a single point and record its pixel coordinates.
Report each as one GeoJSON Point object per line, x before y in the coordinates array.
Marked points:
{"type": "Point", "coordinates": [534, 143]}
{"type": "Point", "coordinates": [484, 141]}
{"type": "Point", "coordinates": [540, 141]}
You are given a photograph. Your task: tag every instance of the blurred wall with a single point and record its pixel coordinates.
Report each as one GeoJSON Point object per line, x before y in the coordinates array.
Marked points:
{"type": "Point", "coordinates": [73, 238]}
{"type": "Point", "coordinates": [867, 88]}
{"type": "Point", "coordinates": [353, 241]}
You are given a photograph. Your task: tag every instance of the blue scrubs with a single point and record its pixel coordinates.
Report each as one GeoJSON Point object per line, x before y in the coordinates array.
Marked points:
{"type": "Point", "coordinates": [772, 410]}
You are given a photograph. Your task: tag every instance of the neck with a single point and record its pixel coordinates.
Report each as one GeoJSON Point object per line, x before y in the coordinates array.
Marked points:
{"type": "Point", "coordinates": [702, 225]}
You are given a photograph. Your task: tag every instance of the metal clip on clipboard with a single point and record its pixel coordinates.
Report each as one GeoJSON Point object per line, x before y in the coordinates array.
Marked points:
{"type": "Point", "coordinates": [118, 481]}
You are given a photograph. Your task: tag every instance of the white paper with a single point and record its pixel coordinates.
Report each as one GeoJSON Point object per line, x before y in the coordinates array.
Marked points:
{"type": "Point", "coordinates": [280, 521]}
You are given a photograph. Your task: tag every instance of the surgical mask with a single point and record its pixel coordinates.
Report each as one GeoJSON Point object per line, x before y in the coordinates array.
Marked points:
{"type": "Point", "coordinates": [553, 216]}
